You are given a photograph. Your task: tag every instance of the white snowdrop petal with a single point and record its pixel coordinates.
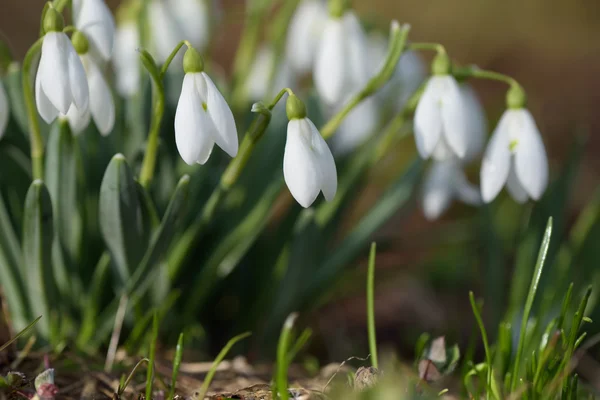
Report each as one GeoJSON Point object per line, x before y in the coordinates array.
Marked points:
{"type": "Point", "coordinates": [77, 80]}
{"type": "Point", "coordinates": [94, 19]}
{"type": "Point", "coordinates": [464, 190]}
{"type": "Point", "coordinates": [437, 191]}
{"type": "Point", "coordinates": [4, 110]}
{"type": "Point", "coordinates": [454, 120]}
{"type": "Point", "coordinates": [300, 169]}
{"type": "Point", "coordinates": [166, 33]}
{"type": "Point", "coordinates": [194, 129]}
{"type": "Point", "coordinates": [428, 119]}
{"type": "Point", "coordinates": [358, 125]}
{"type": "Point", "coordinates": [125, 59]}
{"type": "Point", "coordinates": [325, 161]}
{"type": "Point", "coordinates": [496, 161]}
{"type": "Point", "coordinates": [260, 74]}
{"type": "Point", "coordinates": [193, 18]}
{"type": "Point", "coordinates": [53, 70]}
{"type": "Point", "coordinates": [531, 161]}
{"type": "Point", "coordinates": [331, 63]}
{"type": "Point", "coordinates": [78, 119]}
{"type": "Point", "coordinates": [102, 105]}
{"type": "Point", "coordinates": [304, 32]}
{"type": "Point", "coordinates": [222, 117]}
{"type": "Point", "coordinates": [359, 70]}
{"type": "Point", "coordinates": [476, 122]}
{"type": "Point", "coordinates": [514, 187]}
{"type": "Point", "coordinates": [45, 108]}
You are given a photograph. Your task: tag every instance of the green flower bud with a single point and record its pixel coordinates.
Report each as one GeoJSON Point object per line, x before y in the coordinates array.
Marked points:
{"type": "Point", "coordinates": [337, 8]}
{"type": "Point", "coordinates": [53, 21]}
{"type": "Point", "coordinates": [516, 97]}
{"type": "Point", "coordinates": [192, 61]}
{"type": "Point", "coordinates": [80, 42]}
{"type": "Point", "coordinates": [295, 108]}
{"type": "Point", "coordinates": [441, 64]}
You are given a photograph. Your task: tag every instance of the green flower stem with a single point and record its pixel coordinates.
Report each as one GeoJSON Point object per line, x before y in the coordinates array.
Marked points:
{"type": "Point", "coordinates": [397, 45]}
{"type": "Point", "coordinates": [474, 71]}
{"type": "Point", "coordinates": [35, 135]}
{"type": "Point", "coordinates": [427, 46]}
{"type": "Point", "coordinates": [169, 60]}
{"type": "Point", "coordinates": [486, 346]}
{"type": "Point", "coordinates": [371, 306]}
{"type": "Point", "coordinates": [539, 266]}
{"type": "Point", "coordinates": [158, 109]}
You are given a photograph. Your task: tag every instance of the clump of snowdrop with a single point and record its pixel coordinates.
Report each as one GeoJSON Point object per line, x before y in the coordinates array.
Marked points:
{"type": "Point", "coordinates": [515, 155]}
{"type": "Point", "coordinates": [446, 180]}
{"type": "Point", "coordinates": [203, 117]}
{"type": "Point", "coordinates": [60, 81]}
{"type": "Point", "coordinates": [101, 104]}
{"type": "Point", "coordinates": [440, 121]}
{"type": "Point", "coordinates": [308, 165]}
{"type": "Point", "coordinates": [341, 67]}
{"type": "Point", "coordinates": [93, 18]}
{"type": "Point", "coordinates": [304, 34]}
{"type": "Point", "coordinates": [4, 110]}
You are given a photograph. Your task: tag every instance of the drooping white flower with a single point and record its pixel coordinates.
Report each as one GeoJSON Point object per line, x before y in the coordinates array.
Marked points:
{"type": "Point", "coordinates": [259, 78]}
{"type": "Point", "coordinates": [4, 110]}
{"type": "Point", "coordinates": [308, 165]}
{"type": "Point", "coordinates": [194, 20]}
{"type": "Point", "coordinates": [357, 127]}
{"type": "Point", "coordinates": [445, 182]}
{"type": "Point", "coordinates": [477, 124]}
{"type": "Point", "coordinates": [304, 33]}
{"type": "Point", "coordinates": [203, 117]}
{"type": "Point", "coordinates": [515, 156]}
{"type": "Point", "coordinates": [441, 119]}
{"type": "Point", "coordinates": [342, 65]}
{"type": "Point", "coordinates": [126, 58]}
{"type": "Point", "coordinates": [166, 33]}
{"type": "Point", "coordinates": [101, 105]}
{"type": "Point", "coordinates": [60, 80]}
{"type": "Point", "coordinates": [93, 18]}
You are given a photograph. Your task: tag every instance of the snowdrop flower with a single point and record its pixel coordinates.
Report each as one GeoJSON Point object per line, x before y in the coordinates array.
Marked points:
{"type": "Point", "coordinates": [440, 118]}
{"type": "Point", "coordinates": [101, 105]}
{"type": "Point", "coordinates": [258, 79]}
{"type": "Point", "coordinates": [203, 118]}
{"type": "Point", "coordinates": [357, 127]}
{"type": "Point", "coordinates": [304, 33]}
{"type": "Point", "coordinates": [126, 58]}
{"type": "Point", "coordinates": [446, 181]}
{"type": "Point", "coordinates": [4, 110]}
{"type": "Point", "coordinates": [93, 18]}
{"type": "Point", "coordinates": [308, 165]}
{"type": "Point", "coordinates": [166, 32]}
{"type": "Point", "coordinates": [515, 155]}
{"type": "Point", "coordinates": [194, 20]}
{"type": "Point", "coordinates": [60, 80]}
{"type": "Point", "coordinates": [342, 66]}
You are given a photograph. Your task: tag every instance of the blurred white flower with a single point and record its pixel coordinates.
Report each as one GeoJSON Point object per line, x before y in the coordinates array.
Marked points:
{"type": "Point", "coordinates": [258, 79]}
{"type": "Point", "coordinates": [194, 19]}
{"type": "Point", "coordinates": [445, 182]}
{"type": "Point", "coordinates": [166, 32]}
{"type": "Point", "coordinates": [515, 156]}
{"type": "Point", "coordinates": [356, 128]}
{"type": "Point", "coordinates": [101, 105]}
{"type": "Point", "coordinates": [93, 18]}
{"type": "Point", "coordinates": [202, 119]}
{"type": "Point", "coordinates": [441, 119]}
{"type": "Point", "coordinates": [60, 79]}
{"type": "Point", "coordinates": [4, 110]}
{"type": "Point", "coordinates": [126, 58]}
{"type": "Point", "coordinates": [308, 165]}
{"type": "Point", "coordinates": [342, 64]}
{"type": "Point", "coordinates": [304, 33]}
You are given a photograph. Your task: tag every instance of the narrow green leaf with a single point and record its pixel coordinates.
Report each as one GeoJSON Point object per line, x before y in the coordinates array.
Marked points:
{"type": "Point", "coordinates": [371, 306]}
{"type": "Point", "coordinates": [121, 217]}
{"type": "Point", "coordinates": [14, 90]}
{"type": "Point", "coordinates": [38, 235]}
{"type": "Point", "coordinates": [152, 357]}
{"type": "Point", "coordinates": [176, 365]}
{"type": "Point", "coordinates": [21, 333]}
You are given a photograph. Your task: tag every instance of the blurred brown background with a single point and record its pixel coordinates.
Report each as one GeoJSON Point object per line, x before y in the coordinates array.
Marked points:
{"type": "Point", "coordinates": [551, 46]}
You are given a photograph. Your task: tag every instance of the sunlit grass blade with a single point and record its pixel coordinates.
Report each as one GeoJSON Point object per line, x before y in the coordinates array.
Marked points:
{"type": "Point", "coordinates": [371, 306]}
{"type": "Point", "coordinates": [150, 372]}
{"type": "Point", "coordinates": [21, 333]}
{"type": "Point", "coordinates": [281, 378]}
{"type": "Point", "coordinates": [123, 385]}
{"type": "Point", "coordinates": [302, 340]}
{"type": "Point", "coordinates": [213, 369]}
{"type": "Point", "coordinates": [529, 302]}
{"type": "Point", "coordinates": [176, 365]}
{"type": "Point", "coordinates": [488, 354]}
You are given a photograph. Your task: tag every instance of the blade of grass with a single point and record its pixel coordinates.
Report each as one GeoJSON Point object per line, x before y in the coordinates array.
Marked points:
{"type": "Point", "coordinates": [176, 365]}
{"type": "Point", "coordinates": [371, 306]}
{"type": "Point", "coordinates": [486, 346]}
{"type": "Point", "coordinates": [529, 302]}
{"type": "Point", "coordinates": [302, 339]}
{"type": "Point", "coordinates": [213, 369]}
{"type": "Point", "coordinates": [281, 378]}
{"type": "Point", "coordinates": [18, 335]}
{"type": "Point", "coordinates": [150, 373]}
{"type": "Point", "coordinates": [123, 386]}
